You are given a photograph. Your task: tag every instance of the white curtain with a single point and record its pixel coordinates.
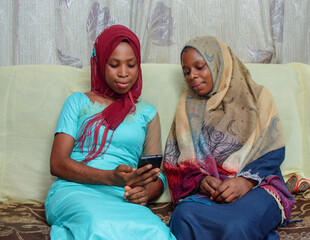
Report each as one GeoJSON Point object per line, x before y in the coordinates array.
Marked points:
{"type": "Point", "coordinates": [63, 31]}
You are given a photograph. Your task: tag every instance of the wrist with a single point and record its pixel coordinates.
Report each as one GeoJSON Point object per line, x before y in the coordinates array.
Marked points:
{"type": "Point", "coordinates": [250, 182]}
{"type": "Point", "coordinates": [108, 177]}
{"type": "Point", "coordinates": [154, 189]}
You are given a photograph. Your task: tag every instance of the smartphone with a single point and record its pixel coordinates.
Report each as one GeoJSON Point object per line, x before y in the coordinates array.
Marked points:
{"type": "Point", "coordinates": [155, 160]}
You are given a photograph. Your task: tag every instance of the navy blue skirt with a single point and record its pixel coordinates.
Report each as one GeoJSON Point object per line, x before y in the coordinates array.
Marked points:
{"type": "Point", "coordinates": [254, 216]}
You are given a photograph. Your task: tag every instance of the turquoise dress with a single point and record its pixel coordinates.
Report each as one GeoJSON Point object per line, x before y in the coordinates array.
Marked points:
{"type": "Point", "coordinates": [81, 211]}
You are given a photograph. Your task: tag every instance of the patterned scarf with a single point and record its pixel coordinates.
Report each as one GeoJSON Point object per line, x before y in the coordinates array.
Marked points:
{"type": "Point", "coordinates": [115, 113]}
{"type": "Point", "coordinates": [233, 131]}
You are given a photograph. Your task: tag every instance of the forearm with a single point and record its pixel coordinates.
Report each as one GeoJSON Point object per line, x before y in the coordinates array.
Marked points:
{"type": "Point", "coordinates": [71, 170]}
{"type": "Point", "coordinates": [63, 166]}
{"type": "Point", "coordinates": [154, 189]}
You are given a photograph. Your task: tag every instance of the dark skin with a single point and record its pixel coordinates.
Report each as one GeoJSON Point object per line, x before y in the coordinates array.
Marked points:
{"type": "Point", "coordinates": [227, 191]}
{"type": "Point", "coordinates": [141, 185]}
{"type": "Point", "coordinates": [66, 168]}
{"type": "Point", "coordinates": [198, 78]}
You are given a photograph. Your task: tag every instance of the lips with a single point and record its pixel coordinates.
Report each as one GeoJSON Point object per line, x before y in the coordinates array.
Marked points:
{"type": "Point", "coordinates": [123, 84]}
{"type": "Point", "coordinates": [197, 86]}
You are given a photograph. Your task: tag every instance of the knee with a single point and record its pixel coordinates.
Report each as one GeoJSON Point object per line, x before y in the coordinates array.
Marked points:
{"type": "Point", "coordinates": [177, 218]}
{"type": "Point", "coordinates": [240, 227]}
{"type": "Point", "coordinates": [181, 215]}
{"type": "Point", "coordinates": [182, 221]}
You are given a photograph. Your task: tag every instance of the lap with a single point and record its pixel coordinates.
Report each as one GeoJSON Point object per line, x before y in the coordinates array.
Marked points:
{"type": "Point", "coordinates": [90, 213]}
{"type": "Point", "coordinates": [254, 216]}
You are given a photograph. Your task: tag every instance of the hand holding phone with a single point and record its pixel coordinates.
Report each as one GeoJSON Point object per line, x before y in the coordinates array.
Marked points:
{"type": "Point", "coordinates": [155, 160]}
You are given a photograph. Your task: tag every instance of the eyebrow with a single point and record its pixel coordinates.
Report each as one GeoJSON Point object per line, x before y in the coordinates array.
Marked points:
{"type": "Point", "coordinates": [200, 61]}
{"type": "Point", "coordinates": [196, 62]}
{"type": "Point", "coordinates": [128, 60]}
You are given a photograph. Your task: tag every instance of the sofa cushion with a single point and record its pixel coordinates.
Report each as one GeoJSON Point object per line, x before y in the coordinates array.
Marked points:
{"type": "Point", "coordinates": [290, 85]}
{"type": "Point", "coordinates": [31, 98]}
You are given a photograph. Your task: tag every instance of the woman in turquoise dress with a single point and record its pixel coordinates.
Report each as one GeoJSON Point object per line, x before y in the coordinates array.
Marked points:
{"type": "Point", "coordinates": [99, 192]}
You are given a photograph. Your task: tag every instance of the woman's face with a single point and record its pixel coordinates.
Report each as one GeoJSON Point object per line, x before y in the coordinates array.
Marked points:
{"type": "Point", "coordinates": [196, 72]}
{"type": "Point", "coordinates": [121, 69]}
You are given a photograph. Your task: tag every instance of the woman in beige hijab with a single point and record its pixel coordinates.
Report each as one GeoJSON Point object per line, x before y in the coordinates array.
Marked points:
{"type": "Point", "coordinates": [224, 151]}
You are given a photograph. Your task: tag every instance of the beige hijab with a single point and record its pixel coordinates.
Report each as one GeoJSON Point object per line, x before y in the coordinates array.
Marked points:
{"type": "Point", "coordinates": [233, 131]}
{"type": "Point", "coordinates": [240, 116]}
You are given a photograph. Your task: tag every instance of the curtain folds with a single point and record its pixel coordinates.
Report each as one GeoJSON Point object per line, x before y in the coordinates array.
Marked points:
{"type": "Point", "coordinates": [63, 31]}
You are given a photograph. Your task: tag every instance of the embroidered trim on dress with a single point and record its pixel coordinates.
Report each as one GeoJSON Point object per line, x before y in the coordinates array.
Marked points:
{"type": "Point", "coordinates": [248, 174]}
{"type": "Point", "coordinates": [279, 204]}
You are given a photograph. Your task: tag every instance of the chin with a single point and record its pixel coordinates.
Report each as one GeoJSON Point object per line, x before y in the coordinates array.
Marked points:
{"type": "Point", "coordinates": [200, 94]}
{"type": "Point", "coordinates": [122, 91]}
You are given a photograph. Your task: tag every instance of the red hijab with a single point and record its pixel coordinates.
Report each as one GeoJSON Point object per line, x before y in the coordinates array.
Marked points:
{"type": "Point", "coordinates": [114, 114]}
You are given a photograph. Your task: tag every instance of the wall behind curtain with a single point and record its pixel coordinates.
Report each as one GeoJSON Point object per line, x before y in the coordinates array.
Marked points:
{"type": "Point", "coordinates": [63, 31]}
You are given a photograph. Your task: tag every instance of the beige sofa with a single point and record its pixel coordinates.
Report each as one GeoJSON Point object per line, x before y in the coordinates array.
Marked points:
{"type": "Point", "coordinates": [31, 98]}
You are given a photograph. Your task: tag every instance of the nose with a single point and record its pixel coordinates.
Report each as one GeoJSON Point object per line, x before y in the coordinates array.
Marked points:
{"type": "Point", "coordinates": [122, 71]}
{"type": "Point", "coordinates": [193, 74]}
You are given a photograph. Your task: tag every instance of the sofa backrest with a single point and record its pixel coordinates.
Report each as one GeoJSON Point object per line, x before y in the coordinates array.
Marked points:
{"type": "Point", "coordinates": [31, 98]}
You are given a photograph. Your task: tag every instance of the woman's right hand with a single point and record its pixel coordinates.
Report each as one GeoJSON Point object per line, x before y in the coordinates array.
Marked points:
{"type": "Point", "coordinates": [126, 175]}
{"type": "Point", "coordinates": [66, 168]}
{"type": "Point", "coordinates": [209, 185]}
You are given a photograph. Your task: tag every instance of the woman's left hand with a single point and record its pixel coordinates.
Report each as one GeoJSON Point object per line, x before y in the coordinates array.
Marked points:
{"type": "Point", "coordinates": [137, 195]}
{"type": "Point", "coordinates": [143, 194]}
{"type": "Point", "coordinates": [232, 189]}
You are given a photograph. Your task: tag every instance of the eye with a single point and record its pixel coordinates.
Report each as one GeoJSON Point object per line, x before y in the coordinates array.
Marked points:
{"type": "Point", "coordinates": [113, 65]}
{"type": "Point", "coordinates": [201, 67]}
{"type": "Point", "coordinates": [186, 73]}
{"type": "Point", "coordinates": [131, 65]}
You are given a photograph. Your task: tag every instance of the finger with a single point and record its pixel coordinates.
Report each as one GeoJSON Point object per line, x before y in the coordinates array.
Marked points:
{"type": "Point", "coordinates": [132, 191]}
{"type": "Point", "coordinates": [211, 184]}
{"type": "Point", "coordinates": [145, 178]}
{"type": "Point", "coordinates": [140, 201]}
{"type": "Point", "coordinates": [214, 183]}
{"type": "Point", "coordinates": [230, 198]}
{"type": "Point", "coordinates": [221, 193]}
{"type": "Point", "coordinates": [137, 195]}
{"type": "Point", "coordinates": [215, 196]}
{"type": "Point", "coordinates": [143, 182]}
{"type": "Point", "coordinates": [225, 185]}
{"type": "Point", "coordinates": [143, 169]}
{"type": "Point", "coordinates": [127, 189]}
{"type": "Point", "coordinates": [219, 198]}
{"type": "Point", "coordinates": [206, 189]}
